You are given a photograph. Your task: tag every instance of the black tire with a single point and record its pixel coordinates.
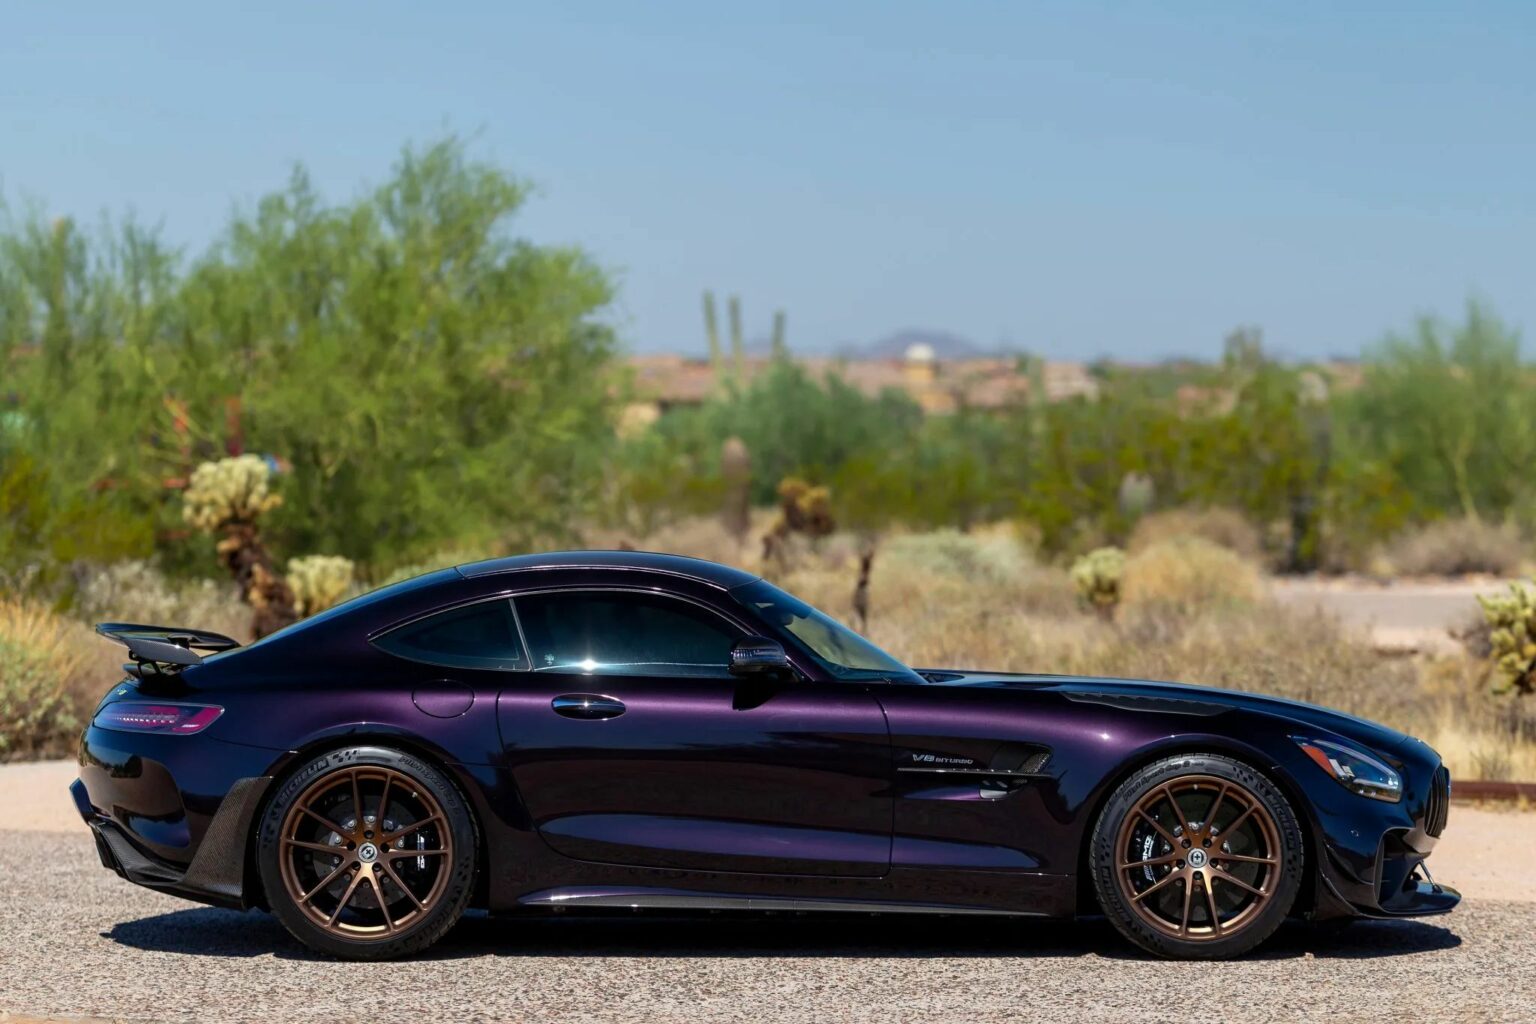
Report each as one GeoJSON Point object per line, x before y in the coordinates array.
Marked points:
{"type": "Point", "coordinates": [1134, 856]}
{"type": "Point", "coordinates": [425, 886]}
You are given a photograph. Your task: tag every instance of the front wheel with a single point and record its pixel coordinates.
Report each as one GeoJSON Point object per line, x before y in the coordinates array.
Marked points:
{"type": "Point", "coordinates": [1197, 856]}
{"type": "Point", "coordinates": [367, 853]}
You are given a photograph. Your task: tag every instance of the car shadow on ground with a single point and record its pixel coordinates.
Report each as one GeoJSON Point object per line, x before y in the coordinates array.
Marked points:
{"type": "Point", "coordinates": [205, 931]}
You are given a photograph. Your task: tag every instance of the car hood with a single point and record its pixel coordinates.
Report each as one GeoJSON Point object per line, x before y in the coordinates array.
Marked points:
{"type": "Point", "coordinates": [1186, 699]}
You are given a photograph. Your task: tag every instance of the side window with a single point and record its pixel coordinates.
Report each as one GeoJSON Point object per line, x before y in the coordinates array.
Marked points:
{"type": "Point", "coordinates": [622, 633]}
{"type": "Point", "coordinates": [480, 635]}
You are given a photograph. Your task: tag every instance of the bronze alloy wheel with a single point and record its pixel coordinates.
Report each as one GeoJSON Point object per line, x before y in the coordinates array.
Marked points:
{"type": "Point", "coordinates": [365, 852]}
{"type": "Point", "coordinates": [1198, 857]}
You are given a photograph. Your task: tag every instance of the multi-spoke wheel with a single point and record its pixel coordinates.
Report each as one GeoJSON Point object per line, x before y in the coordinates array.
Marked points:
{"type": "Point", "coordinates": [1197, 856]}
{"type": "Point", "coordinates": [367, 853]}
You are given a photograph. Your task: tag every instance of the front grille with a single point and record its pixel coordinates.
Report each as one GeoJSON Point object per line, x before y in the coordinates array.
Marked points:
{"type": "Point", "coordinates": [1438, 807]}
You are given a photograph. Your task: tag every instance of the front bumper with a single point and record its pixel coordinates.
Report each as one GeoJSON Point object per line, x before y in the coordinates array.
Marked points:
{"type": "Point", "coordinates": [1372, 856]}
{"type": "Point", "coordinates": [217, 871]}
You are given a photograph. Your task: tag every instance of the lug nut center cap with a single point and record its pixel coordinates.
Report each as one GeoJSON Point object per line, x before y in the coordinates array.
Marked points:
{"type": "Point", "coordinates": [1197, 858]}
{"type": "Point", "coordinates": [368, 853]}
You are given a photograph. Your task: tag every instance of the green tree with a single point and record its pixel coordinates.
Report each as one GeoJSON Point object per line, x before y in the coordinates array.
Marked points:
{"type": "Point", "coordinates": [793, 425]}
{"type": "Point", "coordinates": [427, 375]}
{"type": "Point", "coordinates": [1450, 408]}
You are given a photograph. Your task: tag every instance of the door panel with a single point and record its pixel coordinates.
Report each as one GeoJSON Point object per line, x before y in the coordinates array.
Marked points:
{"type": "Point", "coordinates": [705, 773]}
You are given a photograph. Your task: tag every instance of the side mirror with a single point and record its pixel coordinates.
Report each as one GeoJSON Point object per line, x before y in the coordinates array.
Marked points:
{"type": "Point", "coordinates": [758, 656]}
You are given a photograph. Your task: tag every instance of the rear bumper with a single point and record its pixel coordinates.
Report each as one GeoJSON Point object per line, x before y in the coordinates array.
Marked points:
{"type": "Point", "coordinates": [217, 872]}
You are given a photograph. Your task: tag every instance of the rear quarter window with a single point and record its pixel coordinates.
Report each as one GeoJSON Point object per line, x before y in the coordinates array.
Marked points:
{"type": "Point", "coordinates": [477, 636]}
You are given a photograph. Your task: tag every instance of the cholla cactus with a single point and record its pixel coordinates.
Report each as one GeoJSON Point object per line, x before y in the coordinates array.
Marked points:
{"type": "Point", "coordinates": [1511, 618]}
{"type": "Point", "coordinates": [228, 491]}
{"type": "Point", "coordinates": [806, 509]}
{"type": "Point", "coordinates": [803, 509]}
{"type": "Point", "coordinates": [1097, 576]}
{"type": "Point", "coordinates": [227, 498]}
{"type": "Point", "coordinates": [319, 582]}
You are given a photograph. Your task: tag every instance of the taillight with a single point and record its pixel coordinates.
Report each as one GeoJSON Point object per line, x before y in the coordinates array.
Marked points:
{"type": "Point", "coordinates": [138, 716]}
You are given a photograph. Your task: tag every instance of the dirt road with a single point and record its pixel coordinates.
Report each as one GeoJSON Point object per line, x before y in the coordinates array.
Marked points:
{"type": "Point", "coordinates": [1398, 615]}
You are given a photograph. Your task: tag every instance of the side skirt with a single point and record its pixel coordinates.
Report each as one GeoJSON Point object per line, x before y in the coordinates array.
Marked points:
{"type": "Point", "coordinates": [677, 899]}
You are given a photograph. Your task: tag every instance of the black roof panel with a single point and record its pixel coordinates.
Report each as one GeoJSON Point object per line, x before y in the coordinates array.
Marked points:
{"type": "Point", "coordinates": [723, 576]}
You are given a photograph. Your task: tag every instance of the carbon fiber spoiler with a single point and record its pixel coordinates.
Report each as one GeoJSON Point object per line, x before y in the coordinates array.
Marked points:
{"type": "Point", "coordinates": [163, 648]}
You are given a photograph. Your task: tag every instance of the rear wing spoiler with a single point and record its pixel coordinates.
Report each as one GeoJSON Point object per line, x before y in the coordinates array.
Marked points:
{"type": "Point", "coordinates": [161, 649]}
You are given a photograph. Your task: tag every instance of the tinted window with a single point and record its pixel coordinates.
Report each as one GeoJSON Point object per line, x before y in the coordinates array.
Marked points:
{"type": "Point", "coordinates": [839, 649]}
{"type": "Point", "coordinates": [620, 633]}
{"type": "Point", "coordinates": [477, 636]}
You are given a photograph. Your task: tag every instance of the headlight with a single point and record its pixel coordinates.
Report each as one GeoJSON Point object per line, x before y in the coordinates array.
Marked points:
{"type": "Point", "coordinates": [1354, 770]}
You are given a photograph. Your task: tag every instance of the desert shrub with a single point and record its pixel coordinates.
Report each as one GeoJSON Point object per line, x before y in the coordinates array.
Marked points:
{"type": "Point", "coordinates": [136, 591]}
{"type": "Point", "coordinates": [697, 536]}
{"type": "Point", "coordinates": [34, 709]}
{"type": "Point", "coordinates": [994, 557]}
{"type": "Point", "coordinates": [319, 582]}
{"type": "Point", "coordinates": [1189, 574]}
{"type": "Point", "coordinates": [945, 620]}
{"type": "Point", "coordinates": [444, 558]}
{"type": "Point", "coordinates": [1263, 648]}
{"type": "Point", "coordinates": [51, 672]}
{"type": "Point", "coordinates": [1455, 547]}
{"type": "Point", "coordinates": [1224, 527]}
{"type": "Point", "coordinates": [955, 569]}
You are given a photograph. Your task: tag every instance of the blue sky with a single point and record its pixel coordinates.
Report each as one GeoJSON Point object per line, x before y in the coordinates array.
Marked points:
{"type": "Point", "coordinates": [1076, 179]}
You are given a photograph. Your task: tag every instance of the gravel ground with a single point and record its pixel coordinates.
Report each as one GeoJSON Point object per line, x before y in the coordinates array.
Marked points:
{"type": "Point", "coordinates": [80, 942]}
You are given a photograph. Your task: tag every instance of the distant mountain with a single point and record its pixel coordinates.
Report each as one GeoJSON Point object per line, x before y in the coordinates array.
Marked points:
{"type": "Point", "coordinates": [894, 346]}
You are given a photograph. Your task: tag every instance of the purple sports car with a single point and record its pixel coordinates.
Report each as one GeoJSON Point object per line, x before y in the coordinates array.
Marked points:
{"type": "Point", "coordinates": [617, 729]}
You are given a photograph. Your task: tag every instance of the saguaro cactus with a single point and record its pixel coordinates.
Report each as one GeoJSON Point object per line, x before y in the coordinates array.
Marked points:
{"type": "Point", "coordinates": [712, 333]}
{"type": "Point", "coordinates": [738, 344]}
{"type": "Point", "coordinates": [780, 346]}
{"type": "Point", "coordinates": [736, 471]}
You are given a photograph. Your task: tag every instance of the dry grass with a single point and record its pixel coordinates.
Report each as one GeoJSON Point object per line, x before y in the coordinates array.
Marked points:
{"type": "Point", "coordinates": [931, 606]}
{"type": "Point", "coordinates": [53, 668]}
{"type": "Point", "coordinates": [1456, 547]}
{"type": "Point", "coordinates": [138, 592]}
{"type": "Point", "coordinates": [1224, 527]}
{"type": "Point", "coordinates": [1194, 612]}
{"type": "Point", "coordinates": [52, 671]}
{"type": "Point", "coordinates": [1188, 575]}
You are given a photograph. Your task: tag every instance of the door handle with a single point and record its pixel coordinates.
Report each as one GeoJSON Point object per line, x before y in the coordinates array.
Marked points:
{"type": "Point", "coordinates": [587, 706]}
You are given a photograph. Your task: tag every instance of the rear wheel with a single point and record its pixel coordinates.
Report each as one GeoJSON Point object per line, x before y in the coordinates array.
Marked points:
{"type": "Point", "coordinates": [367, 853]}
{"type": "Point", "coordinates": [1197, 856]}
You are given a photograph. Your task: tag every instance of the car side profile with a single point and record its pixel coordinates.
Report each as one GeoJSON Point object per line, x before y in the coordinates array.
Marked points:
{"type": "Point", "coordinates": [623, 729]}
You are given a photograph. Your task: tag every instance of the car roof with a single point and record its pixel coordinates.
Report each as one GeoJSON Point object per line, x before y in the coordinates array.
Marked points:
{"type": "Point", "coordinates": [713, 573]}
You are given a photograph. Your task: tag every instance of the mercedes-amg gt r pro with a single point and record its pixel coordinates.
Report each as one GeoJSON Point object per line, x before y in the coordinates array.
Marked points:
{"type": "Point", "coordinates": [618, 729]}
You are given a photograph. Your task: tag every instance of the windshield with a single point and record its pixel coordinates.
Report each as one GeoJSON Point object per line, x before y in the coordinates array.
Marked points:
{"type": "Point", "coordinates": [839, 649]}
